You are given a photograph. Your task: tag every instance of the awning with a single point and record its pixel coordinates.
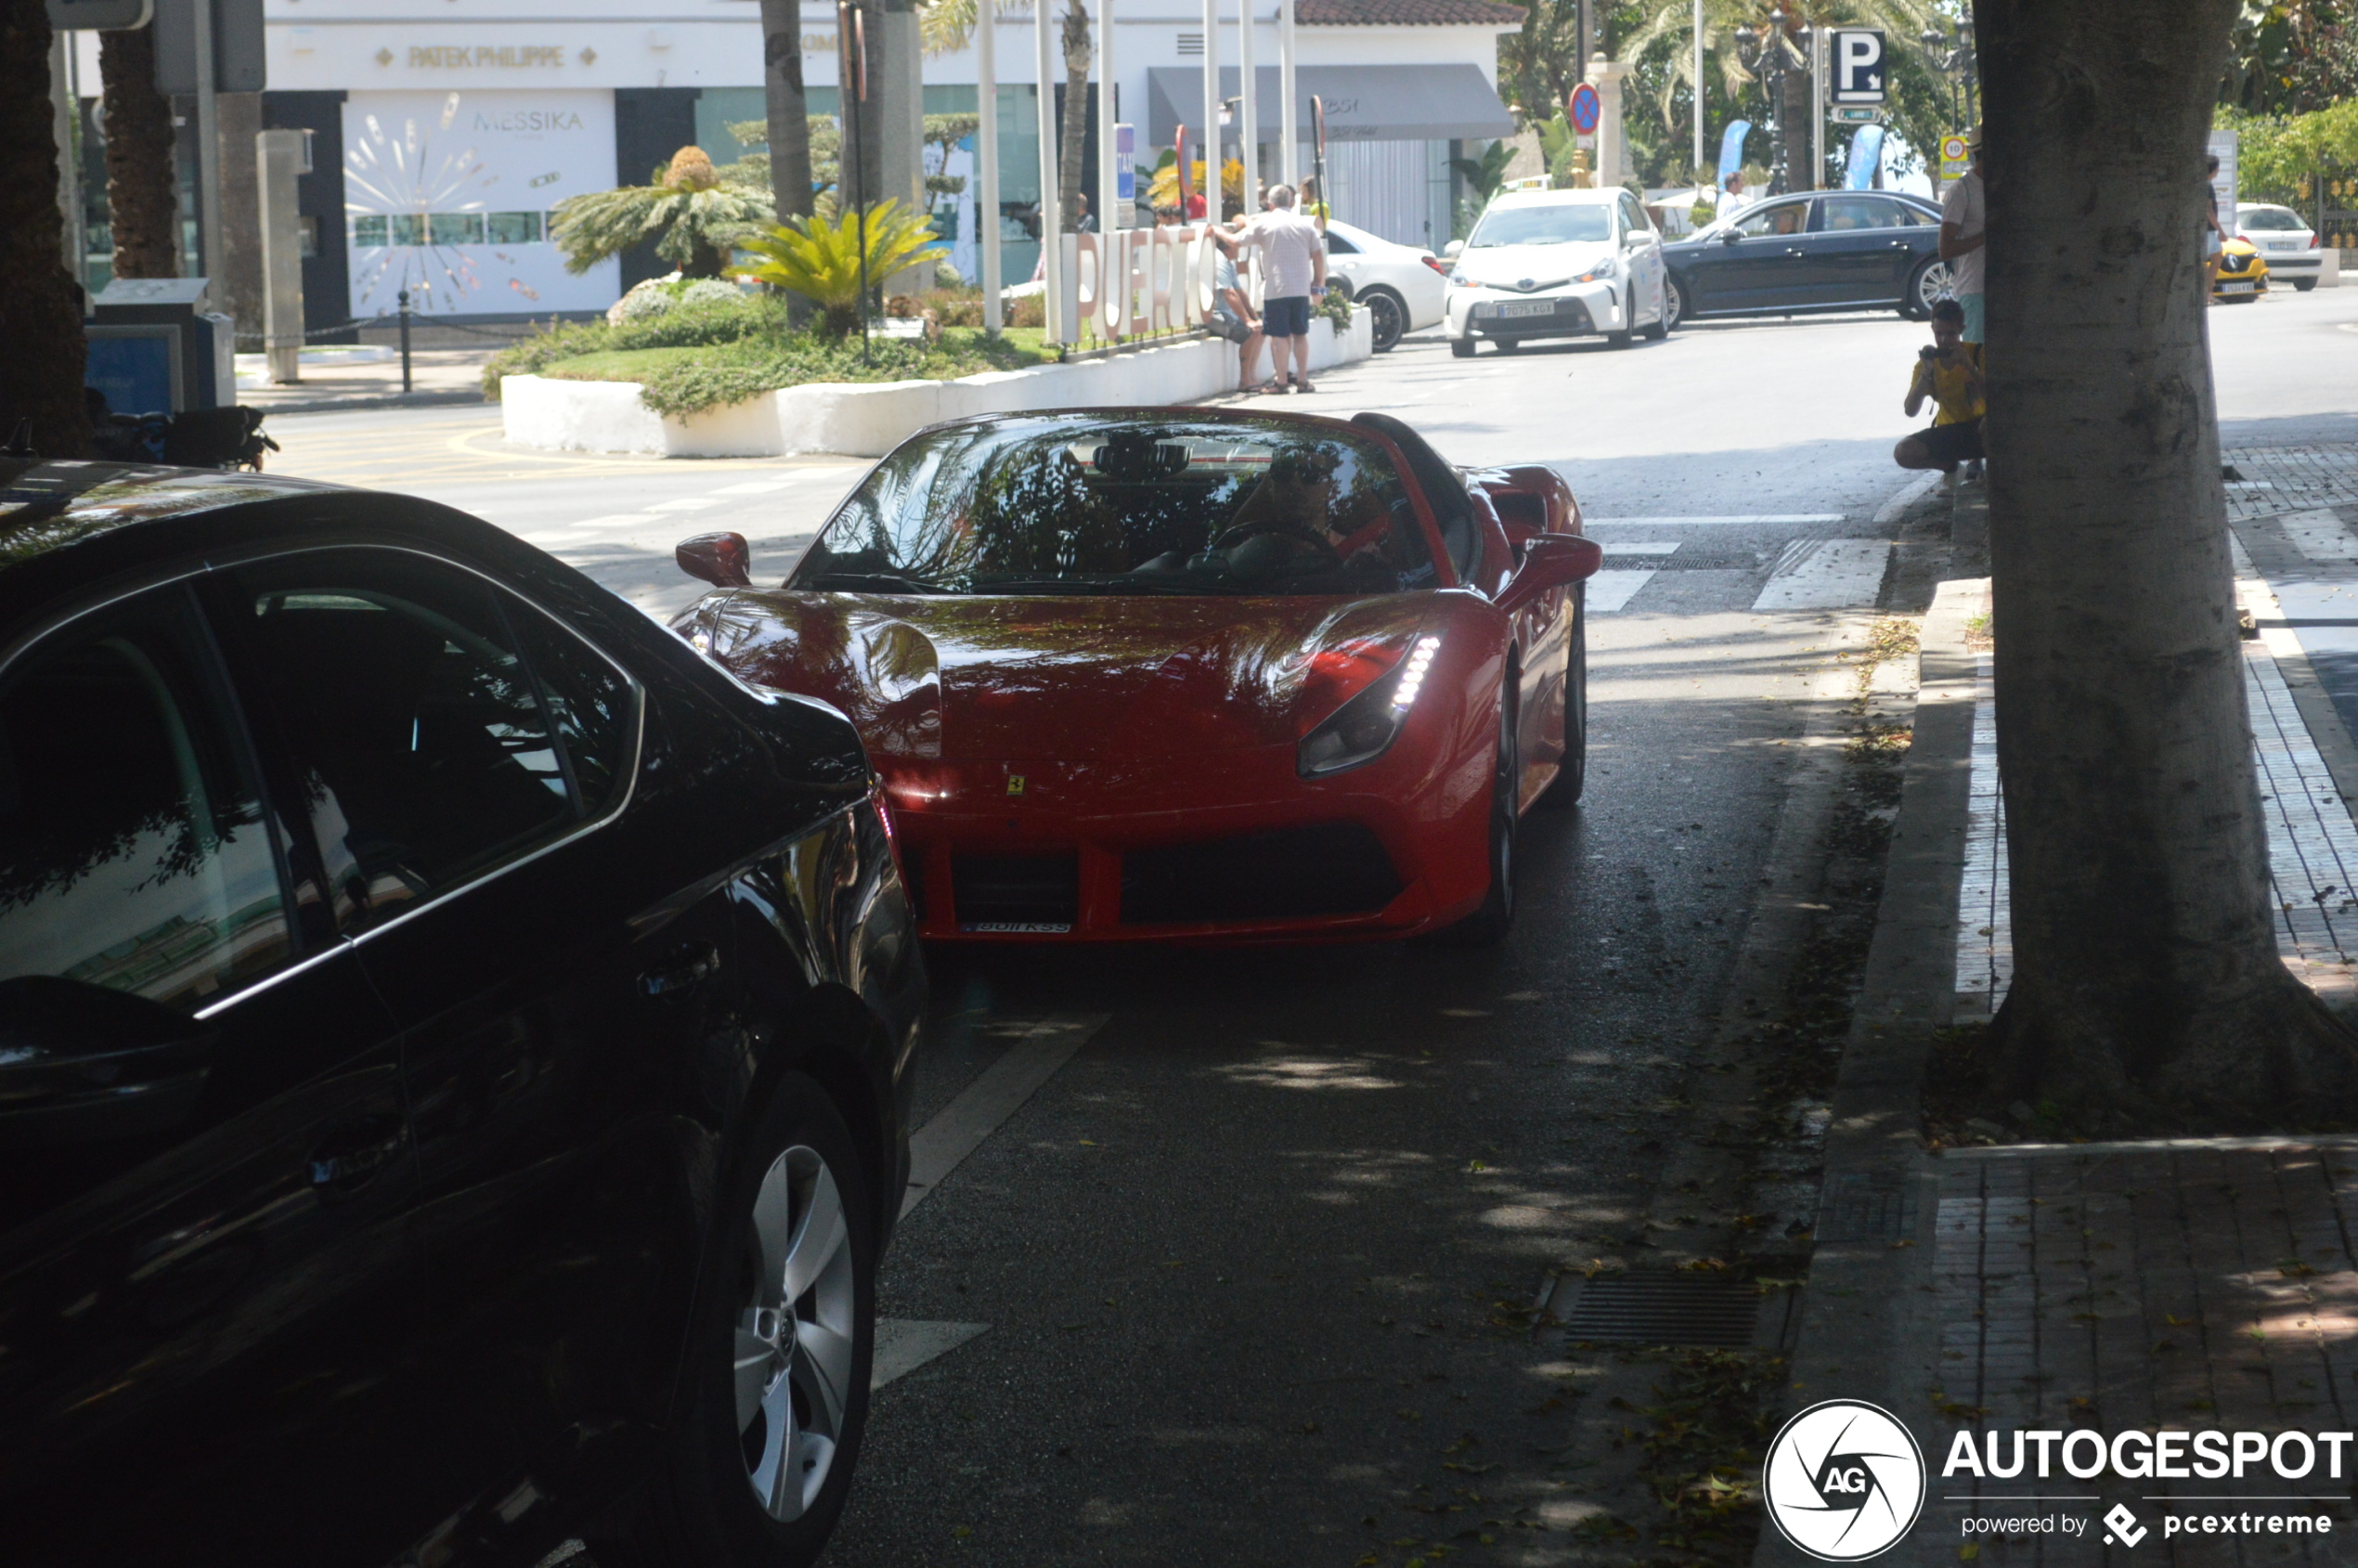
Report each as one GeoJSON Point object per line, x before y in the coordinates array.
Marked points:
{"type": "Point", "coordinates": [1364, 102]}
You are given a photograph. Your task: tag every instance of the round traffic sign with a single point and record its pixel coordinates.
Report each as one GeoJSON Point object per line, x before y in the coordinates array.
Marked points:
{"type": "Point", "coordinates": [1583, 110]}
{"type": "Point", "coordinates": [1954, 151]}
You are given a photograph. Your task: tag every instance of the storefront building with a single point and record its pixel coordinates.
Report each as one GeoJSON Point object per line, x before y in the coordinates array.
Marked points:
{"type": "Point", "coordinates": [443, 137]}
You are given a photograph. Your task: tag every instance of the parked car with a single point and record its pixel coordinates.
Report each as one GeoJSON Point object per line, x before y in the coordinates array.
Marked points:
{"type": "Point", "coordinates": [2285, 242]}
{"type": "Point", "coordinates": [1402, 286]}
{"type": "Point", "coordinates": [454, 1049]}
{"type": "Point", "coordinates": [1559, 263]}
{"type": "Point", "coordinates": [1791, 255]}
{"type": "Point", "coordinates": [1182, 674]}
{"type": "Point", "coordinates": [2243, 271]}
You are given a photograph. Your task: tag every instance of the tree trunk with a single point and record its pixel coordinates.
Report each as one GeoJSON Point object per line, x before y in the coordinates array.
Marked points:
{"type": "Point", "coordinates": [143, 199]}
{"type": "Point", "coordinates": [2147, 986]}
{"type": "Point", "coordinates": [238, 283]}
{"type": "Point", "coordinates": [40, 308]}
{"type": "Point", "coordinates": [1793, 127]}
{"type": "Point", "coordinates": [787, 107]}
{"type": "Point", "coordinates": [1078, 55]}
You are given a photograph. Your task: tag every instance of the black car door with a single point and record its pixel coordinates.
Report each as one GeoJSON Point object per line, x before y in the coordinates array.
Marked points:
{"type": "Point", "coordinates": [548, 980]}
{"type": "Point", "coordinates": [206, 1290]}
{"type": "Point", "coordinates": [1755, 264]}
{"type": "Point", "coordinates": [1866, 246]}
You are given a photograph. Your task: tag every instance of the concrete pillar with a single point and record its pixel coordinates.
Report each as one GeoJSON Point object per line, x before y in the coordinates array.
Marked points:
{"type": "Point", "coordinates": [897, 57]}
{"type": "Point", "coordinates": [1613, 164]}
{"type": "Point", "coordinates": [278, 158]}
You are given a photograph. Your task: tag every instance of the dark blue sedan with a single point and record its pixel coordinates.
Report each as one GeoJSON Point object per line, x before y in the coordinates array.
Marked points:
{"type": "Point", "coordinates": [1822, 251]}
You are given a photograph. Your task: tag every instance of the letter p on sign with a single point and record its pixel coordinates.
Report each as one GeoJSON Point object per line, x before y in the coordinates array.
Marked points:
{"type": "Point", "coordinates": [1859, 65]}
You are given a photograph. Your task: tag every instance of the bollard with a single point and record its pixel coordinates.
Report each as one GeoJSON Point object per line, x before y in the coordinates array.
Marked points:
{"type": "Point", "coordinates": [403, 298]}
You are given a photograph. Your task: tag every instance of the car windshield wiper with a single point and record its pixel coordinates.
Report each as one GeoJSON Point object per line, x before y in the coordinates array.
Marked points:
{"type": "Point", "coordinates": [874, 582]}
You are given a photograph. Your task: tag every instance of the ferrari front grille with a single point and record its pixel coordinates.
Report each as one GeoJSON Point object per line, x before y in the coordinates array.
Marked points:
{"type": "Point", "coordinates": [1015, 892]}
{"type": "Point", "coordinates": [1293, 873]}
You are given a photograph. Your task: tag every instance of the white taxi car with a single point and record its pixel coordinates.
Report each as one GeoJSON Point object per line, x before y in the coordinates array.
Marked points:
{"type": "Point", "coordinates": [1559, 263]}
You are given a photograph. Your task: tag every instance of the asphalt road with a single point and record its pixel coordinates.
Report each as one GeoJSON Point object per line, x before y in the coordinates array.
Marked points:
{"type": "Point", "coordinates": [1248, 1262]}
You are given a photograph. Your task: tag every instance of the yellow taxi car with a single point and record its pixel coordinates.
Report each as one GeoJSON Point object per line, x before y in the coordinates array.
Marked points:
{"type": "Point", "coordinates": [2242, 274]}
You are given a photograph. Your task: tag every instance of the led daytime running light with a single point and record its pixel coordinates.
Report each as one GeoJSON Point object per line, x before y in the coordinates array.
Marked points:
{"type": "Point", "coordinates": [1413, 675]}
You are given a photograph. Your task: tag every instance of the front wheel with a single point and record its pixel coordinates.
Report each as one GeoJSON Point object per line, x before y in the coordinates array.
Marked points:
{"type": "Point", "coordinates": [1572, 774]}
{"type": "Point", "coordinates": [779, 1354]}
{"type": "Point", "coordinates": [1624, 337]}
{"type": "Point", "coordinates": [1387, 316]}
{"type": "Point", "coordinates": [1487, 926]}
{"type": "Point", "coordinates": [2302, 284]}
{"type": "Point", "coordinates": [1659, 328]}
{"type": "Point", "coordinates": [1928, 285]}
{"type": "Point", "coordinates": [1462, 348]}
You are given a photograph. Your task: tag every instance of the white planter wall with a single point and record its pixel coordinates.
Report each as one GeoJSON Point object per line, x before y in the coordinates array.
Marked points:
{"type": "Point", "coordinates": [868, 419]}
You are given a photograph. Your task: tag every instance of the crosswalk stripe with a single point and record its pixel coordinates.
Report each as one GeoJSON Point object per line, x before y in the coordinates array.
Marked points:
{"type": "Point", "coordinates": [1826, 575]}
{"type": "Point", "coordinates": [1728, 520]}
{"type": "Point", "coordinates": [1610, 590]}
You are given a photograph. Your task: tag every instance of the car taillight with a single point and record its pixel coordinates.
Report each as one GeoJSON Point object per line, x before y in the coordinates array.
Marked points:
{"type": "Point", "coordinates": [2312, 241]}
{"type": "Point", "coordinates": [1434, 263]}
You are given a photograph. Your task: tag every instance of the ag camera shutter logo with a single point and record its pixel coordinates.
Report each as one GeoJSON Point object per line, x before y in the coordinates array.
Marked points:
{"type": "Point", "coordinates": [1845, 1481]}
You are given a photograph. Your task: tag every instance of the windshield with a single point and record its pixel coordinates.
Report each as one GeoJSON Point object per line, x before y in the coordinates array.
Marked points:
{"type": "Point", "coordinates": [2278, 218]}
{"type": "Point", "coordinates": [1082, 503]}
{"type": "Point", "coordinates": [1558, 223]}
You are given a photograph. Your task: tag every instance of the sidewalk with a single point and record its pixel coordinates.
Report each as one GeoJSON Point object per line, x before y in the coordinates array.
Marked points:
{"type": "Point", "coordinates": [2191, 1285]}
{"type": "Point", "coordinates": [367, 376]}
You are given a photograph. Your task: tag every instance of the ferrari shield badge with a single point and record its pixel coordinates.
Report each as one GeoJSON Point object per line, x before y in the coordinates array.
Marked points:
{"type": "Point", "coordinates": [1014, 784]}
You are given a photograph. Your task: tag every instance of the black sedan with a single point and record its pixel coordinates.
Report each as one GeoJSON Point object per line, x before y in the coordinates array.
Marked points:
{"type": "Point", "coordinates": [1833, 250]}
{"type": "Point", "coordinates": [454, 1049]}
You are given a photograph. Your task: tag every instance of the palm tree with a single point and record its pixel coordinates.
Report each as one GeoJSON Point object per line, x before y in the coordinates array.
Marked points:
{"type": "Point", "coordinates": [142, 207]}
{"type": "Point", "coordinates": [40, 310]}
{"type": "Point", "coordinates": [949, 25]}
{"type": "Point", "coordinates": [821, 261]}
{"type": "Point", "coordinates": [695, 216]}
{"type": "Point", "coordinates": [787, 107]}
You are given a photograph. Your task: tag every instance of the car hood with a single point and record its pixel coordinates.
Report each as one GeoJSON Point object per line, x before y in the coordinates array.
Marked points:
{"type": "Point", "coordinates": [1508, 265]}
{"type": "Point", "coordinates": [1067, 679]}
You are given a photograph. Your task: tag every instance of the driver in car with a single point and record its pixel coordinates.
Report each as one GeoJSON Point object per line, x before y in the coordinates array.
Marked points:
{"type": "Point", "coordinates": [1304, 513]}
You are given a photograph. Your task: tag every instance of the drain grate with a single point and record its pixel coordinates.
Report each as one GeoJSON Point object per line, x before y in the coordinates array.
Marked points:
{"type": "Point", "coordinates": [1642, 1308]}
{"type": "Point", "coordinates": [1868, 1207]}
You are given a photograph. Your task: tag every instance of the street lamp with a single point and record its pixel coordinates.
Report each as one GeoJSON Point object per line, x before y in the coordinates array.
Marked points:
{"type": "Point", "coordinates": [1768, 55]}
{"type": "Point", "coordinates": [1951, 57]}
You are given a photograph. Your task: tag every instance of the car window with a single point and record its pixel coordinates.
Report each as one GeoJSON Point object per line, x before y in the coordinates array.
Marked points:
{"type": "Point", "coordinates": [1633, 216]}
{"type": "Point", "coordinates": [135, 851]}
{"type": "Point", "coordinates": [429, 751]}
{"type": "Point", "coordinates": [1124, 503]}
{"type": "Point", "coordinates": [1783, 217]}
{"type": "Point", "coordinates": [1839, 214]}
{"type": "Point", "coordinates": [1338, 246]}
{"type": "Point", "coordinates": [2276, 219]}
{"type": "Point", "coordinates": [1556, 223]}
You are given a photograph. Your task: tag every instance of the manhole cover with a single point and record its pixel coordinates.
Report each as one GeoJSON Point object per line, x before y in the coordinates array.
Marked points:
{"type": "Point", "coordinates": [1663, 1309]}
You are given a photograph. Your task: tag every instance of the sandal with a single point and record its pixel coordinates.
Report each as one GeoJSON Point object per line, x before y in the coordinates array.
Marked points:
{"type": "Point", "coordinates": [1303, 385]}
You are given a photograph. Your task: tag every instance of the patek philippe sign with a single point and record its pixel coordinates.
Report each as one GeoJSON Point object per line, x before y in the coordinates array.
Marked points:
{"type": "Point", "coordinates": [508, 57]}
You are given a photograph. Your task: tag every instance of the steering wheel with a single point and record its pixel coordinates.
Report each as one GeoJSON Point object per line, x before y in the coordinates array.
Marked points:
{"type": "Point", "coordinates": [1302, 531]}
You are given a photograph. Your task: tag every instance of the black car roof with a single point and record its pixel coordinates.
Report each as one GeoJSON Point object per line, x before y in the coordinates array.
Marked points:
{"type": "Point", "coordinates": [47, 507]}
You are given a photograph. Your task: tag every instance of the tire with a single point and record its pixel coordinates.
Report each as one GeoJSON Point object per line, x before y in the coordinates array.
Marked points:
{"type": "Point", "coordinates": [1388, 314]}
{"type": "Point", "coordinates": [1674, 301]}
{"type": "Point", "coordinates": [1659, 328]}
{"type": "Point", "coordinates": [1487, 926]}
{"type": "Point", "coordinates": [1624, 337]}
{"type": "Point", "coordinates": [1510, 345]}
{"type": "Point", "coordinates": [1926, 285]}
{"type": "Point", "coordinates": [796, 1166]}
{"type": "Point", "coordinates": [2300, 284]}
{"type": "Point", "coordinates": [1572, 776]}
{"type": "Point", "coordinates": [1462, 348]}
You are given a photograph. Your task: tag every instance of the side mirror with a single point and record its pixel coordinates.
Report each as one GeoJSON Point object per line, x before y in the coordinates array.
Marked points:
{"type": "Point", "coordinates": [1454, 247]}
{"type": "Point", "coordinates": [1550, 562]}
{"type": "Point", "coordinates": [80, 1063]}
{"type": "Point", "coordinates": [722, 560]}
{"type": "Point", "coordinates": [1729, 237]}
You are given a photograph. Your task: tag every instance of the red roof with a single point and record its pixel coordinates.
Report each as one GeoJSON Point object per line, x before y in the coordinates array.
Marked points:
{"type": "Point", "coordinates": [1407, 13]}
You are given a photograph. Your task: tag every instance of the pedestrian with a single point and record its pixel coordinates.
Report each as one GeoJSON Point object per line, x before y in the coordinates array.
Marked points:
{"type": "Point", "coordinates": [1733, 199]}
{"type": "Point", "coordinates": [1964, 221]}
{"type": "Point", "coordinates": [1949, 374]}
{"type": "Point", "coordinates": [1085, 223]}
{"type": "Point", "coordinates": [1232, 315]}
{"type": "Point", "coordinates": [2214, 237]}
{"type": "Point", "coordinates": [1313, 206]}
{"type": "Point", "coordinates": [1293, 269]}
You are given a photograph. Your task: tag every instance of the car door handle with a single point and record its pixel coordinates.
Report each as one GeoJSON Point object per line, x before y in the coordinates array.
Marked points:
{"type": "Point", "coordinates": [354, 1154]}
{"type": "Point", "coordinates": [685, 970]}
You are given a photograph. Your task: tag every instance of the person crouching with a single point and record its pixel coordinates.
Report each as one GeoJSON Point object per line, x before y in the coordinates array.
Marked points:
{"type": "Point", "coordinates": [1946, 373]}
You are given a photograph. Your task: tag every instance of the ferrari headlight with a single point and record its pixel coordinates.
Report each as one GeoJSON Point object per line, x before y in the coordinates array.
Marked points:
{"type": "Point", "coordinates": [1364, 728]}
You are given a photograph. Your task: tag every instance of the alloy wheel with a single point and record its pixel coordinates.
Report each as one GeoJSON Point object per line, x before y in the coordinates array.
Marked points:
{"type": "Point", "coordinates": [1933, 285]}
{"type": "Point", "coordinates": [1385, 317]}
{"type": "Point", "coordinates": [795, 1333]}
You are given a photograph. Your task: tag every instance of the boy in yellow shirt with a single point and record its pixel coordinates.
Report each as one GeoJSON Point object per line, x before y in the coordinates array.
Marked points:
{"type": "Point", "coordinates": [1949, 374]}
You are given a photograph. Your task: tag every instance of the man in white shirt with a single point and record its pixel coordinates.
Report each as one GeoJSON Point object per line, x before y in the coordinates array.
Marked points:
{"type": "Point", "coordinates": [1964, 215]}
{"type": "Point", "coordinates": [1293, 271]}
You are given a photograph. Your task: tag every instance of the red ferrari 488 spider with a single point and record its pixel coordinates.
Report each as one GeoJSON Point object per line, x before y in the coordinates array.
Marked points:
{"type": "Point", "coordinates": [1178, 673]}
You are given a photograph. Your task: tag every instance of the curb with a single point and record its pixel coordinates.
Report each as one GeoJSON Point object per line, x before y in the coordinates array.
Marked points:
{"type": "Point", "coordinates": [392, 400]}
{"type": "Point", "coordinates": [1870, 1328]}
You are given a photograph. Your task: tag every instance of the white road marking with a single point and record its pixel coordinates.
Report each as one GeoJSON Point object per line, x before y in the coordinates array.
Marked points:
{"type": "Point", "coordinates": [754, 487]}
{"type": "Point", "coordinates": [612, 520]}
{"type": "Point", "coordinates": [2320, 535]}
{"type": "Point", "coordinates": [689, 504]}
{"type": "Point", "coordinates": [1645, 547]}
{"type": "Point", "coordinates": [904, 1345]}
{"type": "Point", "coordinates": [1908, 496]}
{"type": "Point", "coordinates": [1826, 575]}
{"type": "Point", "coordinates": [959, 1128]}
{"type": "Point", "coordinates": [1610, 590]}
{"type": "Point", "coordinates": [1729, 520]}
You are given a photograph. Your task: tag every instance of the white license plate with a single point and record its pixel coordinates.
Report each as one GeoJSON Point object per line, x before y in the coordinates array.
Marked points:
{"type": "Point", "coordinates": [1524, 307]}
{"type": "Point", "coordinates": [2237, 288]}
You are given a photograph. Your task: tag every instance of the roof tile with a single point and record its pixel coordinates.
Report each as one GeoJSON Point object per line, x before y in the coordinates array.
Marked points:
{"type": "Point", "coordinates": [1407, 13]}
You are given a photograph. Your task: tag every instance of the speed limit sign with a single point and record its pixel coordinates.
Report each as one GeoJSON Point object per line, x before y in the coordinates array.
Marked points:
{"type": "Point", "coordinates": [1956, 157]}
